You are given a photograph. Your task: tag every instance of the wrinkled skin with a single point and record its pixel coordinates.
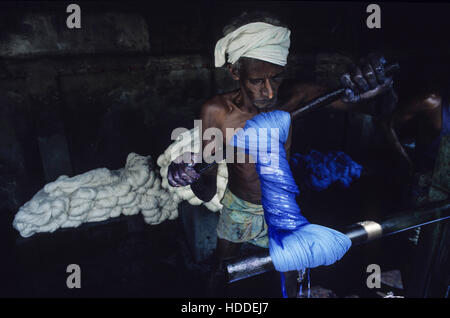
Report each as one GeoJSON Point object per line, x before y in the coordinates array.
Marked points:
{"type": "Point", "coordinates": [181, 171]}
{"type": "Point", "coordinates": [371, 82]}
{"type": "Point", "coordinates": [426, 110]}
{"type": "Point", "coordinates": [260, 85]}
{"type": "Point", "coordinates": [366, 82]}
{"type": "Point", "coordinates": [261, 90]}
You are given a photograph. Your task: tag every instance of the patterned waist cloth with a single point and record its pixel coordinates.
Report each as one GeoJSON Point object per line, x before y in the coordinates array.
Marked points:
{"type": "Point", "coordinates": [241, 221]}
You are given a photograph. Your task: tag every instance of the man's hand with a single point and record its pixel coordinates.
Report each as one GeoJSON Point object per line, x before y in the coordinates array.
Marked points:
{"type": "Point", "coordinates": [181, 171]}
{"type": "Point", "coordinates": [366, 81]}
{"type": "Point", "coordinates": [370, 82]}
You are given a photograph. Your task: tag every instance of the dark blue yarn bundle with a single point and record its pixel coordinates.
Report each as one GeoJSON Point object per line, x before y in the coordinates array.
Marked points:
{"type": "Point", "coordinates": [318, 171]}
{"type": "Point", "coordinates": [294, 243]}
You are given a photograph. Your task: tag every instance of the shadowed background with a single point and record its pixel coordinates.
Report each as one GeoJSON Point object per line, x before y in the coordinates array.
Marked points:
{"type": "Point", "coordinates": [80, 99]}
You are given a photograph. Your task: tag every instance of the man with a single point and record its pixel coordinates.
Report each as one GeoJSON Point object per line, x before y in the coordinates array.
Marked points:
{"type": "Point", "coordinates": [421, 118]}
{"type": "Point", "coordinates": [254, 50]}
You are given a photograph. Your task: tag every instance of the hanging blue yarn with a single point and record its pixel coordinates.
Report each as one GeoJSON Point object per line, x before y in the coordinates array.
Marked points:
{"type": "Point", "coordinates": [302, 282]}
{"type": "Point", "coordinates": [294, 243]}
{"type": "Point", "coordinates": [283, 286]}
{"type": "Point", "coordinates": [318, 171]}
{"type": "Point", "coordinates": [309, 284]}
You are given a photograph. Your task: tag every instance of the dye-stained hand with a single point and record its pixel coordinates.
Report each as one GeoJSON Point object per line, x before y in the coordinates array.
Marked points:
{"type": "Point", "coordinates": [181, 171]}
{"type": "Point", "coordinates": [366, 81]}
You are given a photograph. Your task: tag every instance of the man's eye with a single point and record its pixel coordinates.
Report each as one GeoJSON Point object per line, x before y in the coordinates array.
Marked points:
{"type": "Point", "coordinates": [277, 79]}
{"type": "Point", "coordinates": [256, 81]}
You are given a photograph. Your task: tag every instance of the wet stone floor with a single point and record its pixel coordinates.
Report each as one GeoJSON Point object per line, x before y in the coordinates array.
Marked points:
{"type": "Point", "coordinates": [127, 258]}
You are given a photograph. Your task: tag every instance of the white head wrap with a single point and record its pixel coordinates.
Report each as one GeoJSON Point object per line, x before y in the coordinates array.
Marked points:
{"type": "Point", "coordinates": [256, 40]}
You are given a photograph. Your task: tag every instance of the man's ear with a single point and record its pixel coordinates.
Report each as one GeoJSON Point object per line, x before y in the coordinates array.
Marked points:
{"type": "Point", "coordinates": [234, 73]}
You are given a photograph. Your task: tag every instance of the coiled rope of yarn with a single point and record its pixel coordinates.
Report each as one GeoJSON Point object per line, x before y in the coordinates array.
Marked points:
{"type": "Point", "coordinates": [294, 243]}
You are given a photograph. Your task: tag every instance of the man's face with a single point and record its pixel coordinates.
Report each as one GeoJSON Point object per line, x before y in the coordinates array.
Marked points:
{"type": "Point", "coordinates": [260, 80]}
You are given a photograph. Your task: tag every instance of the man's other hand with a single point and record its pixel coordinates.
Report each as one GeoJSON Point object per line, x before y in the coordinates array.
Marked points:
{"type": "Point", "coordinates": [181, 171]}
{"type": "Point", "coordinates": [366, 81]}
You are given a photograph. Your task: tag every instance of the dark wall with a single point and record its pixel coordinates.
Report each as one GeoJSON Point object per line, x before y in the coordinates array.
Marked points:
{"type": "Point", "coordinates": [75, 100]}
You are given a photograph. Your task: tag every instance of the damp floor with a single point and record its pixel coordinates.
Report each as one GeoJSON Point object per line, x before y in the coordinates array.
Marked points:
{"type": "Point", "coordinates": [124, 257]}
{"type": "Point", "coordinates": [157, 263]}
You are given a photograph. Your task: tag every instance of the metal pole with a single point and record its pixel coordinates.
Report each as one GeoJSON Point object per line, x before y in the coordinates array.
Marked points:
{"type": "Point", "coordinates": [311, 106]}
{"type": "Point", "coordinates": [359, 233]}
{"type": "Point", "coordinates": [333, 96]}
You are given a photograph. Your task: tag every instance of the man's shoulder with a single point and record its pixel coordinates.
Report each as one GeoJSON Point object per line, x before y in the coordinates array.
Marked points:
{"type": "Point", "coordinates": [218, 104]}
{"type": "Point", "coordinates": [302, 87]}
{"type": "Point", "coordinates": [424, 103]}
{"type": "Point", "coordinates": [432, 101]}
{"type": "Point", "coordinates": [294, 87]}
{"type": "Point", "coordinates": [295, 92]}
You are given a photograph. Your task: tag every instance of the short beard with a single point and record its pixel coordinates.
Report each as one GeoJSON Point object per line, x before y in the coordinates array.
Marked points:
{"type": "Point", "coordinates": [272, 106]}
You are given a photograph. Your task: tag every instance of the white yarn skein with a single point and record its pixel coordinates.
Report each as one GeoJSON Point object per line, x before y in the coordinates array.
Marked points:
{"type": "Point", "coordinates": [100, 194]}
{"type": "Point", "coordinates": [189, 141]}
{"type": "Point", "coordinates": [95, 196]}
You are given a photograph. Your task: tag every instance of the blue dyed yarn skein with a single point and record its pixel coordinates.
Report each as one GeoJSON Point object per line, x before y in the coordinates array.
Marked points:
{"type": "Point", "coordinates": [294, 243]}
{"type": "Point", "coordinates": [318, 171]}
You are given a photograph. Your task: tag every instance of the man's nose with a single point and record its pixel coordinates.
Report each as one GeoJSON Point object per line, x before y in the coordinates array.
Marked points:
{"type": "Point", "coordinates": [267, 90]}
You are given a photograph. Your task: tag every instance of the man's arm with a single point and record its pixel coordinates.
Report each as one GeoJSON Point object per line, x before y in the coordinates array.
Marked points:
{"type": "Point", "coordinates": [206, 186]}
{"type": "Point", "coordinates": [415, 108]}
{"type": "Point", "coordinates": [288, 143]}
{"type": "Point", "coordinates": [303, 93]}
{"type": "Point", "coordinates": [368, 90]}
{"type": "Point", "coordinates": [182, 170]}
{"type": "Point", "coordinates": [387, 127]}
